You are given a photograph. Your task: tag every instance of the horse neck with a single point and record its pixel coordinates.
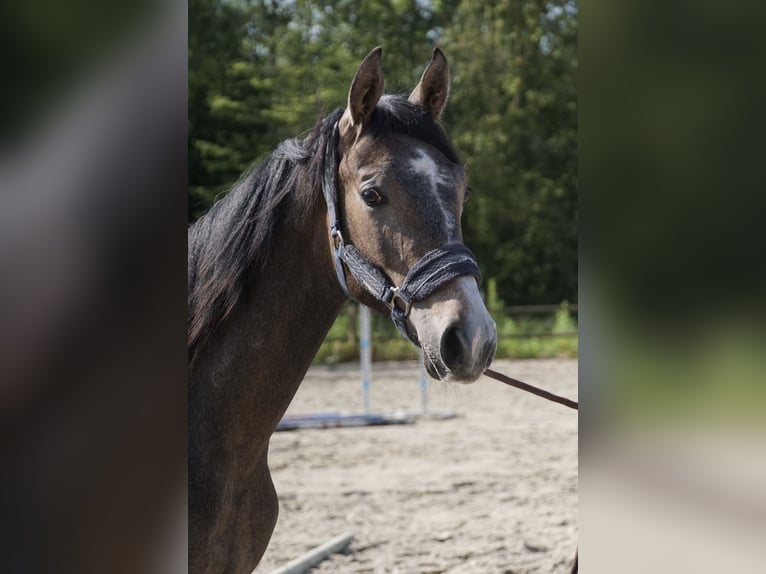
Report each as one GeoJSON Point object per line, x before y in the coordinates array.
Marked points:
{"type": "Point", "coordinates": [251, 369]}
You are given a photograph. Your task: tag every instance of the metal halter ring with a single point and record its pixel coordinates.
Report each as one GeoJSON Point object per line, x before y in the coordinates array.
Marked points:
{"type": "Point", "coordinates": [392, 296]}
{"type": "Point", "coordinates": [336, 235]}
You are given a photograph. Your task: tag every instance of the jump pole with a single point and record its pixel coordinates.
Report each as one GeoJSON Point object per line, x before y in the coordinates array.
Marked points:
{"type": "Point", "coordinates": [365, 359]}
{"type": "Point", "coordinates": [335, 420]}
{"type": "Point", "coordinates": [313, 557]}
{"type": "Point", "coordinates": [365, 355]}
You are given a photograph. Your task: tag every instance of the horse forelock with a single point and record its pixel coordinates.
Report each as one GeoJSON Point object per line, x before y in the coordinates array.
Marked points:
{"type": "Point", "coordinates": [395, 114]}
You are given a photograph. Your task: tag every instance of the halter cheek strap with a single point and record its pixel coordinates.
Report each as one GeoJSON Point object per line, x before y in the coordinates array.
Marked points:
{"type": "Point", "coordinates": [435, 269]}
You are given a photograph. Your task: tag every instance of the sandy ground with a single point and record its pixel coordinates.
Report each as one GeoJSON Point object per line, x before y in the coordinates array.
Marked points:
{"type": "Point", "coordinates": [493, 490]}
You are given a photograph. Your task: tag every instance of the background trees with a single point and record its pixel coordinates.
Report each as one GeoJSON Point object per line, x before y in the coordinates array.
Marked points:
{"type": "Point", "coordinates": [264, 70]}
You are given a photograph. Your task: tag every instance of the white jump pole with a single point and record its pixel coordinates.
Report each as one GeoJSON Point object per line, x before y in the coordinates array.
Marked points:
{"type": "Point", "coordinates": [365, 355]}
{"type": "Point", "coordinates": [306, 562]}
{"type": "Point", "coordinates": [423, 384]}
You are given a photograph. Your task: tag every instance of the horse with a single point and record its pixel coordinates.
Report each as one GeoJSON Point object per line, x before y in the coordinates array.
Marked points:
{"type": "Point", "coordinates": [367, 205]}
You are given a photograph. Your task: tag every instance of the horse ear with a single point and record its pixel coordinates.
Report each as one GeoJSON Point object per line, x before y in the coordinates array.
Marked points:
{"type": "Point", "coordinates": [432, 90]}
{"type": "Point", "coordinates": [366, 89]}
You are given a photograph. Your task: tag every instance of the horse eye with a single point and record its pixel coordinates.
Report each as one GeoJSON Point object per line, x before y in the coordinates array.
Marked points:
{"type": "Point", "coordinates": [371, 196]}
{"type": "Point", "coordinates": [468, 191]}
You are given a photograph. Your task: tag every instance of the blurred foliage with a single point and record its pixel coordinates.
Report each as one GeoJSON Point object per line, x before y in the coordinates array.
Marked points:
{"type": "Point", "coordinates": [681, 375]}
{"type": "Point", "coordinates": [673, 234]}
{"type": "Point", "coordinates": [513, 114]}
{"type": "Point", "coordinates": [261, 71]}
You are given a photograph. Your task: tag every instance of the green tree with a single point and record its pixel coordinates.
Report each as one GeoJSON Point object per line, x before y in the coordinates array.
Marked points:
{"type": "Point", "coordinates": [513, 114]}
{"type": "Point", "coordinates": [261, 71]}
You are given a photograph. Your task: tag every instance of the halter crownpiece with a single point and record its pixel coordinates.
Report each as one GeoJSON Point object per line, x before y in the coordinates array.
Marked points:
{"type": "Point", "coordinates": [432, 271]}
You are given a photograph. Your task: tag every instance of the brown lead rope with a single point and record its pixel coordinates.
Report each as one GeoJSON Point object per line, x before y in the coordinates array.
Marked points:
{"type": "Point", "coordinates": [531, 389]}
{"type": "Point", "coordinates": [540, 393]}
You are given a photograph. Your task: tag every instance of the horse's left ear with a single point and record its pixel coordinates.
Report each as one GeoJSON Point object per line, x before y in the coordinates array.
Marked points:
{"type": "Point", "coordinates": [432, 90]}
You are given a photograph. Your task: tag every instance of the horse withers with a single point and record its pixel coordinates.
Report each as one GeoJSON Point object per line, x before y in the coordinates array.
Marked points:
{"type": "Point", "coordinates": [367, 206]}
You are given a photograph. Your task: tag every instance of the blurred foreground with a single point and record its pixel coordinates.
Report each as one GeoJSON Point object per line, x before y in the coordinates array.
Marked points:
{"type": "Point", "coordinates": [92, 296]}
{"type": "Point", "coordinates": [671, 306]}
{"type": "Point", "coordinates": [672, 283]}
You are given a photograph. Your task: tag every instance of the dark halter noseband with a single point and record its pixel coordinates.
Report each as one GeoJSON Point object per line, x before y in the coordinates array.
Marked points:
{"type": "Point", "coordinates": [435, 269]}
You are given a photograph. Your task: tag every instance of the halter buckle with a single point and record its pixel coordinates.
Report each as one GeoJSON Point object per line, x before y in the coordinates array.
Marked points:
{"type": "Point", "coordinates": [394, 295]}
{"type": "Point", "coordinates": [336, 235]}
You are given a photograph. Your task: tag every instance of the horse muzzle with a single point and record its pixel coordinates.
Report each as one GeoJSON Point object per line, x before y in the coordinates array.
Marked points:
{"type": "Point", "coordinates": [458, 336]}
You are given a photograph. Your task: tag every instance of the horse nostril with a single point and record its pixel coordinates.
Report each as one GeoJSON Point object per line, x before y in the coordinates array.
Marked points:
{"type": "Point", "coordinates": [452, 348]}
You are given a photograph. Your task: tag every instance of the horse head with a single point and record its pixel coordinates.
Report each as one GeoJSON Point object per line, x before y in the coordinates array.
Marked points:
{"type": "Point", "coordinates": [401, 190]}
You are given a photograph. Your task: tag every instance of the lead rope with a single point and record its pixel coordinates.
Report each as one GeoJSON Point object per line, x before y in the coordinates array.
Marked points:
{"type": "Point", "coordinates": [540, 393]}
{"type": "Point", "coordinates": [531, 389]}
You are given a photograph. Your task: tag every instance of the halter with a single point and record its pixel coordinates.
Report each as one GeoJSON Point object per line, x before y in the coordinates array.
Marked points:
{"type": "Point", "coordinates": [435, 269]}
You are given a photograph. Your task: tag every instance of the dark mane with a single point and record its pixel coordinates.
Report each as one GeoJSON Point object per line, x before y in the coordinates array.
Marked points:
{"type": "Point", "coordinates": [233, 238]}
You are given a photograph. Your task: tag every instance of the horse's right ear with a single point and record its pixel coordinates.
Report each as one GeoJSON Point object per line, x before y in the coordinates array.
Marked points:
{"type": "Point", "coordinates": [366, 89]}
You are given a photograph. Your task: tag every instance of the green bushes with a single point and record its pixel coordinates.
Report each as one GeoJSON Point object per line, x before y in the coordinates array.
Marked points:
{"type": "Point", "coordinates": [535, 347]}
{"type": "Point", "coordinates": [396, 349]}
{"type": "Point", "coordinates": [333, 352]}
{"type": "Point", "coordinates": [534, 337]}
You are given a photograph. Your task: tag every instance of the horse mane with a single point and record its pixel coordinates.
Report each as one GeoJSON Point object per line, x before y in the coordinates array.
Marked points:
{"type": "Point", "coordinates": [233, 239]}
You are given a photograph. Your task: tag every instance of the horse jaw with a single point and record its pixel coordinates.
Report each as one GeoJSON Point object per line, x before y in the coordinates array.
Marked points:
{"type": "Point", "coordinates": [456, 332]}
